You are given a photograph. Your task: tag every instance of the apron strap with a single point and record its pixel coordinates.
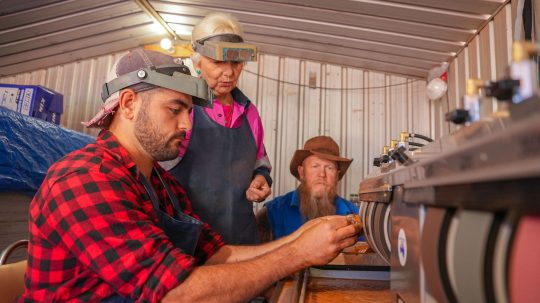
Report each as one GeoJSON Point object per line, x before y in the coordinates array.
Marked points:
{"type": "Point", "coordinates": [153, 197]}
{"type": "Point", "coordinates": [150, 191]}
{"type": "Point", "coordinates": [172, 197]}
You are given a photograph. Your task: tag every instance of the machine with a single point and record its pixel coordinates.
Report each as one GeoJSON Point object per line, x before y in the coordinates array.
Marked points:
{"type": "Point", "coordinates": [458, 219]}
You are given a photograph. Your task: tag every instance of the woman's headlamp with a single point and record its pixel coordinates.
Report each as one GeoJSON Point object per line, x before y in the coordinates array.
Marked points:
{"type": "Point", "coordinates": [226, 47]}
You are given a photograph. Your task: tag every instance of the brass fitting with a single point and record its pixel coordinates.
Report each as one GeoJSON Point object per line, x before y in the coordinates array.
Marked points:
{"type": "Point", "coordinates": [404, 136]}
{"type": "Point", "coordinates": [522, 50]}
{"type": "Point", "coordinates": [393, 143]}
{"type": "Point", "coordinates": [385, 150]}
{"type": "Point", "coordinates": [473, 85]}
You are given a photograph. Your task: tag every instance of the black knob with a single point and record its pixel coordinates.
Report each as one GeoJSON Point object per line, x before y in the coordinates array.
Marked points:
{"type": "Point", "coordinates": [457, 116]}
{"type": "Point", "coordinates": [377, 162]}
{"type": "Point", "coordinates": [503, 89]}
{"type": "Point", "coordinates": [400, 156]}
{"type": "Point", "coordinates": [385, 159]}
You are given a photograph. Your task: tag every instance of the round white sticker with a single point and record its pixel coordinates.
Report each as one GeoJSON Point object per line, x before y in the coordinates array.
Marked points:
{"type": "Point", "coordinates": [402, 247]}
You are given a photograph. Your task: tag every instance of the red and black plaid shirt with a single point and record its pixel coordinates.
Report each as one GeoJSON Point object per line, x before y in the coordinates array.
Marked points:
{"type": "Point", "coordinates": [93, 231]}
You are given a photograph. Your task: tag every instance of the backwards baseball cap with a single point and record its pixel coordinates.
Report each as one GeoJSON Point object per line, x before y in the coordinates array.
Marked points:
{"type": "Point", "coordinates": [225, 47]}
{"type": "Point", "coordinates": [142, 70]}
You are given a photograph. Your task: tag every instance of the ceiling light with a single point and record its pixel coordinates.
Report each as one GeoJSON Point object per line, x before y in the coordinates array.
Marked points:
{"type": "Point", "coordinates": [165, 43]}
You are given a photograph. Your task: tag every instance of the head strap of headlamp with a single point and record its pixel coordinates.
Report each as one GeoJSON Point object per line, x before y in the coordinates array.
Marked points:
{"type": "Point", "coordinates": [173, 77]}
{"type": "Point", "coordinates": [234, 38]}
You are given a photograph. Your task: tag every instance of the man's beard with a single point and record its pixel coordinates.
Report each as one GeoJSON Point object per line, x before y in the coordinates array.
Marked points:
{"type": "Point", "coordinates": [157, 145]}
{"type": "Point", "coordinates": [313, 207]}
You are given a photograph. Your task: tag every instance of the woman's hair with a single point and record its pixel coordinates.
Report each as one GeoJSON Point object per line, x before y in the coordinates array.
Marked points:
{"type": "Point", "coordinates": [212, 24]}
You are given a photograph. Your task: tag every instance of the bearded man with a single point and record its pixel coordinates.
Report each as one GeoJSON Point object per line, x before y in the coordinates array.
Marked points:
{"type": "Point", "coordinates": [318, 167]}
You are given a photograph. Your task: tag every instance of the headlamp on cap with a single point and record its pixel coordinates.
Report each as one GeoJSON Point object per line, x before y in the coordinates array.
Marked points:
{"type": "Point", "coordinates": [226, 47]}
{"type": "Point", "coordinates": [174, 77]}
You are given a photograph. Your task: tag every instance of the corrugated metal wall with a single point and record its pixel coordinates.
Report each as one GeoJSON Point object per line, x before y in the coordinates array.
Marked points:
{"type": "Point", "coordinates": [361, 110]}
{"type": "Point", "coordinates": [297, 99]}
{"type": "Point", "coordinates": [486, 57]}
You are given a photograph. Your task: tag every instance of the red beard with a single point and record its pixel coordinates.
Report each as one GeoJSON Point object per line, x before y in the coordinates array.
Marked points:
{"type": "Point", "coordinates": [313, 207]}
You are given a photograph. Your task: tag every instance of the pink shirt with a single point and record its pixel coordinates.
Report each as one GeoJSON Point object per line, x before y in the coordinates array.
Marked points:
{"type": "Point", "coordinates": [217, 114]}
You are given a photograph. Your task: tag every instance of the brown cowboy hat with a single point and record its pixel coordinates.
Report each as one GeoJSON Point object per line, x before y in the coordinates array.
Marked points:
{"type": "Point", "coordinates": [323, 147]}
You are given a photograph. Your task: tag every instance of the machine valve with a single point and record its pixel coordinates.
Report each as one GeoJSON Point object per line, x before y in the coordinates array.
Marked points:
{"type": "Point", "coordinates": [401, 156]}
{"type": "Point", "coordinates": [457, 116]}
{"type": "Point", "coordinates": [502, 90]}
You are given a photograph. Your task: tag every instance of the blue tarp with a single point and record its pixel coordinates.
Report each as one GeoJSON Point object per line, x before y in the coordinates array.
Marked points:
{"type": "Point", "coordinates": [28, 147]}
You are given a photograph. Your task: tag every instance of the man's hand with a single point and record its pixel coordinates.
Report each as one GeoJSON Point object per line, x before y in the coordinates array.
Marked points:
{"type": "Point", "coordinates": [258, 189]}
{"type": "Point", "coordinates": [243, 275]}
{"type": "Point", "coordinates": [305, 227]}
{"type": "Point", "coordinates": [323, 239]}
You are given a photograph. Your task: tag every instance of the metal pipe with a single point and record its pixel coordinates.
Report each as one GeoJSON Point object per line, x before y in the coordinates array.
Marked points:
{"type": "Point", "coordinates": [156, 17]}
{"type": "Point", "coordinates": [10, 249]}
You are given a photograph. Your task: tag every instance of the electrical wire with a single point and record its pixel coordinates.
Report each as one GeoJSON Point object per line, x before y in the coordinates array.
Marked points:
{"type": "Point", "coordinates": [330, 88]}
{"type": "Point", "coordinates": [416, 144]}
{"type": "Point", "coordinates": [428, 139]}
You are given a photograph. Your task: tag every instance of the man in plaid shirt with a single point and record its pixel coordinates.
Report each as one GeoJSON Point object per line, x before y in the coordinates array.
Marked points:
{"type": "Point", "coordinates": [109, 225]}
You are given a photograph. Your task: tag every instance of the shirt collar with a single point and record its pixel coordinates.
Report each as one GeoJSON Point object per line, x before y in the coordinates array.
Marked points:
{"type": "Point", "coordinates": [239, 97]}
{"type": "Point", "coordinates": [108, 140]}
{"type": "Point", "coordinates": [295, 201]}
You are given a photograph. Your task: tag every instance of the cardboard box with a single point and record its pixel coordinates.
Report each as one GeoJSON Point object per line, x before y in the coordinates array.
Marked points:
{"type": "Point", "coordinates": [32, 100]}
{"type": "Point", "coordinates": [55, 111]}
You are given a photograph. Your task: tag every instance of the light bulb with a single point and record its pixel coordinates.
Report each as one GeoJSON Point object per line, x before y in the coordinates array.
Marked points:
{"type": "Point", "coordinates": [436, 88]}
{"type": "Point", "coordinates": [165, 43]}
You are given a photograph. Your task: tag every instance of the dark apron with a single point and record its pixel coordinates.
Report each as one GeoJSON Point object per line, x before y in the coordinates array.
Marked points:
{"type": "Point", "coordinates": [182, 231]}
{"type": "Point", "coordinates": [216, 171]}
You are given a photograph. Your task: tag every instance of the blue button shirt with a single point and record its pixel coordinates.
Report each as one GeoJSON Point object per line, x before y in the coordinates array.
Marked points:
{"type": "Point", "coordinates": [285, 217]}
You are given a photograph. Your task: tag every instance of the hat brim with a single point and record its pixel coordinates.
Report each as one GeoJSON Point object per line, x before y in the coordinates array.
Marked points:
{"type": "Point", "coordinates": [103, 118]}
{"type": "Point", "coordinates": [301, 154]}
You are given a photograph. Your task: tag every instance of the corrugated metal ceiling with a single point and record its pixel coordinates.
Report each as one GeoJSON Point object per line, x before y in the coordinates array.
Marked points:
{"type": "Point", "coordinates": [405, 37]}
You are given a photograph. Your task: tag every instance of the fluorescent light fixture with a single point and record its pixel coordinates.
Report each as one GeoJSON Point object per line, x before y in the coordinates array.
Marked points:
{"type": "Point", "coordinates": [158, 28]}
{"type": "Point", "coordinates": [181, 30]}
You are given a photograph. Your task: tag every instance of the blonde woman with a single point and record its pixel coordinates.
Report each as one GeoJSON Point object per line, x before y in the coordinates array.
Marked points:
{"type": "Point", "coordinates": [224, 167]}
